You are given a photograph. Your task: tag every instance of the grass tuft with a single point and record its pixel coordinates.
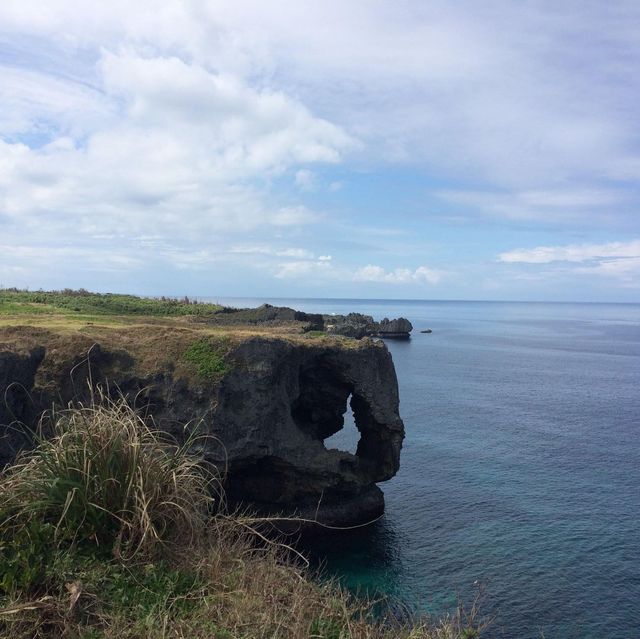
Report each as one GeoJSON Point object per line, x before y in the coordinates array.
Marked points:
{"type": "Point", "coordinates": [105, 478]}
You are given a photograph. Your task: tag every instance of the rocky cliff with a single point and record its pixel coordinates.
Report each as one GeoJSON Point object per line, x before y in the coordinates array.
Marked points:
{"type": "Point", "coordinates": [268, 413]}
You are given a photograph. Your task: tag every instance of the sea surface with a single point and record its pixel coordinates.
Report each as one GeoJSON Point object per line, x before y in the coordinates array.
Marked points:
{"type": "Point", "coordinates": [520, 471]}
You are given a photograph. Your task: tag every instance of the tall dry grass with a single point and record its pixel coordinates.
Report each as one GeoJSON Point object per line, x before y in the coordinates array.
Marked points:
{"type": "Point", "coordinates": [103, 476]}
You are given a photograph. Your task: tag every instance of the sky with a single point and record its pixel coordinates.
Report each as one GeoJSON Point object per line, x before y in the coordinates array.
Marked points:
{"type": "Point", "coordinates": [371, 149]}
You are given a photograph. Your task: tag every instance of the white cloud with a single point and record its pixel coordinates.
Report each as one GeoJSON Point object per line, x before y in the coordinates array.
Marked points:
{"type": "Point", "coordinates": [373, 273]}
{"type": "Point", "coordinates": [295, 252]}
{"type": "Point", "coordinates": [324, 269]}
{"type": "Point", "coordinates": [305, 180]}
{"type": "Point", "coordinates": [33, 258]}
{"type": "Point", "coordinates": [550, 205]}
{"type": "Point", "coordinates": [463, 88]}
{"type": "Point", "coordinates": [41, 103]}
{"type": "Point", "coordinates": [573, 253]}
{"type": "Point", "coordinates": [293, 215]}
{"type": "Point", "coordinates": [156, 142]}
{"type": "Point", "coordinates": [617, 261]}
{"type": "Point", "coordinates": [256, 129]}
{"type": "Point", "coordinates": [466, 87]}
{"type": "Point", "coordinates": [263, 249]}
{"type": "Point", "coordinates": [429, 275]}
{"type": "Point", "coordinates": [304, 268]}
{"type": "Point", "coordinates": [625, 271]}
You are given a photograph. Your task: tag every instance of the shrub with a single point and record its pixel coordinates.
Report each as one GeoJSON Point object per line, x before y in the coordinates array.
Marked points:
{"type": "Point", "coordinates": [82, 301]}
{"type": "Point", "coordinates": [208, 358]}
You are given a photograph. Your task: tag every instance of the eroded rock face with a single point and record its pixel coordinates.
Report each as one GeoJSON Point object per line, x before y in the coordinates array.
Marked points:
{"type": "Point", "coordinates": [396, 328]}
{"type": "Point", "coordinates": [358, 326]}
{"type": "Point", "coordinates": [268, 416]}
{"type": "Point", "coordinates": [265, 314]}
{"type": "Point", "coordinates": [17, 376]}
{"type": "Point", "coordinates": [354, 325]}
{"type": "Point", "coordinates": [283, 400]}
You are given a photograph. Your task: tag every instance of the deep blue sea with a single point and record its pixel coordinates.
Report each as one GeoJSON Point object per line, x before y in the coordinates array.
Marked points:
{"type": "Point", "coordinates": [520, 470]}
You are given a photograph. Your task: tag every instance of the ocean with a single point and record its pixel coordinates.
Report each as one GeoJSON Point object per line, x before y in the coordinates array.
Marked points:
{"type": "Point", "coordinates": [520, 471]}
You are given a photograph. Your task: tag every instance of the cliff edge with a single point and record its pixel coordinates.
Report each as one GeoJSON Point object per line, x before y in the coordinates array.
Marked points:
{"type": "Point", "coordinates": [265, 404]}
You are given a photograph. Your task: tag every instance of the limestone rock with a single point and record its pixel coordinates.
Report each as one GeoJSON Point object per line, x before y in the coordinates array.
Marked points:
{"type": "Point", "coordinates": [267, 417]}
{"type": "Point", "coordinates": [353, 325]}
{"type": "Point", "coordinates": [397, 328]}
{"type": "Point", "coordinates": [358, 326]}
{"type": "Point", "coordinates": [265, 314]}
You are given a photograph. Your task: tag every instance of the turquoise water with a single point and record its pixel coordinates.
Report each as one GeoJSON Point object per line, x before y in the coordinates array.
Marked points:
{"type": "Point", "coordinates": [520, 470]}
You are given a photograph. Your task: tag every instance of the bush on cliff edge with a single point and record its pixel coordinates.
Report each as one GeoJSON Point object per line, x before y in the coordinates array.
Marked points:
{"type": "Point", "coordinates": [105, 531]}
{"type": "Point", "coordinates": [104, 478]}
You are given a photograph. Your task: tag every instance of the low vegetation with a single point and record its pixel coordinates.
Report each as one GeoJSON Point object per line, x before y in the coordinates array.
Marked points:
{"type": "Point", "coordinates": [208, 357]}
{"type": "Point", "coordinates": [316, 333]}
{"type": "Point", "coordinates": [81, 302]}
{"type": "Point", "coordinates": [109, 529]}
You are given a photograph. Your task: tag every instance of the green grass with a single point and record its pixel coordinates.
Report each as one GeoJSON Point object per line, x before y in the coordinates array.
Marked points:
{"type": "Point", "coordinates": [207, 356]}
{"type": "Point", "coordinates": [142, 590]}
{"type": "Point", "coordinates": [142, 595]}
{"type": "Point", "coordinates": [82, 302]}
{"type": "Point", "coordinates": [8, 307]}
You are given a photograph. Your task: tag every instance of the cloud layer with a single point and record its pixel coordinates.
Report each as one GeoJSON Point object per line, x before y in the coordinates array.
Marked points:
{"type": "Point", "coordinates": [372, 273]}
{"type": "Point", "coordinates": [617, 261]}
{"type": "Point", "coordinates": [188, 136]}
{"type": "Point", "coordinates": [573, 253]}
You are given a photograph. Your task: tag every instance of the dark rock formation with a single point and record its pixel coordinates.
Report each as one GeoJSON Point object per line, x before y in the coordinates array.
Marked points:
{"type": "Point", "coordinates": [358, 326]}
{"type": "Point", "coordinates": [17, 376]}
{"type": "Point", "coordinates": [301, 395]}
{"type": "Point", "coordinates": [265, 314]}
{"type": "Point", "coordinates": [397, 328]}
{"type": "Point", "coordinates": [353, 325]}
{"type": "Point", "coordinates": [268, 416]}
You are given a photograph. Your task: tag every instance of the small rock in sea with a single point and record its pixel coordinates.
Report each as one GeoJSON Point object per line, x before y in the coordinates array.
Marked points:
{"type": "Point", "coordinates": [427, 330]}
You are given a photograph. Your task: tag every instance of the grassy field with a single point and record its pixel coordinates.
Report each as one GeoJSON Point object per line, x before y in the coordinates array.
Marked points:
{"type": "Point", "coordinates": [83, 303]}
{"type": "Point", "coordinates": [123, 320]}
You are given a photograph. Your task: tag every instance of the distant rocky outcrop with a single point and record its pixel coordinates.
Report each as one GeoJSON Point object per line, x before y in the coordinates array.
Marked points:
{"type": "Point", "coordinates": [396, 328]}
{"type": "Point", "coordinates": [265, 314]}
{"type": "Point", "coordinates": [358, 326]}
{"type": "Point", "coordinates": [268, 415]}
{"type": "Point", "coordinates": [354, 325]}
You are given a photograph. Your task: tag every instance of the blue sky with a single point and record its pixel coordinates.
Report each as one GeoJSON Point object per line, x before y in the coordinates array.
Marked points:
{"type": "Point", "coordinates": [436, 150]}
